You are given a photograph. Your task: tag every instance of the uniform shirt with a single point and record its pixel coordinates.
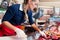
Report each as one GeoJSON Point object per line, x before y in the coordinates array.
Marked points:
{"type": "Point", "coordinates": [16, 16]}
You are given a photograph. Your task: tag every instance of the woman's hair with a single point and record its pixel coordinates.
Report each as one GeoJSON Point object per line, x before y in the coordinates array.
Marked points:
{"type": "Point", "coordinates": [18, 1]}
{"type": "Point", "coordinates": [14, 0]}
{"type": "Point", "coordinates": [26, 2]}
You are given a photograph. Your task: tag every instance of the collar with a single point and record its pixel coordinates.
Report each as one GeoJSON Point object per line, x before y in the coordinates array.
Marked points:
{"type": "Point", "coordinates": [21, 7]}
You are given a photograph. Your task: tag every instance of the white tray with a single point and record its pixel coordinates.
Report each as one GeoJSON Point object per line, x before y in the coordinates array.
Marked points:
{"type": "Point", "coordinates": [11, 38]}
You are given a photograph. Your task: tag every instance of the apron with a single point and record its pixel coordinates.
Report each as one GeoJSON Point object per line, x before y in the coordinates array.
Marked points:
{"type": "Point", "coordinates": [5, 31]}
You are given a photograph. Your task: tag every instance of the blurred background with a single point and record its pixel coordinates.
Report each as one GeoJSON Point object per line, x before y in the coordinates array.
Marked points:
{"type": "Point", "coordinates": [48, 12]}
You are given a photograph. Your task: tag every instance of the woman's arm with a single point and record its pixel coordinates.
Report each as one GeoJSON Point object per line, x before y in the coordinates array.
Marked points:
{"type": "Point", "coordinates": [35, 27]}
{"type": "Point", "coordinates": [9, 25]}
{"type": "Point", "coordinates": [7, 17]}
{"type": "Point", "coordinates": [33, 24]}
{"type": "Point", "coordinates": [18, 31]}
{"type": "Point", "coordinates": [31, 21]}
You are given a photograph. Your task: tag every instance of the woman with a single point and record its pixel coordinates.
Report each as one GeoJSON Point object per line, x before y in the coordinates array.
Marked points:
{"type": "Point", "coordinates": [15, 16]}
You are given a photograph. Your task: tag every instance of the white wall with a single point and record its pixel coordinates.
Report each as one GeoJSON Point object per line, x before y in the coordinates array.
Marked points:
{"type": "Point", "coordinates": [49, 0]}
{"type": "Point", "coordinates": [1, 1]}
{"type": "Point", "coordinates": [51, 4]}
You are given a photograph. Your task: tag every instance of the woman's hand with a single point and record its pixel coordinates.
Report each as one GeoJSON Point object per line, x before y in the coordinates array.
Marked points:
{"type": "Point", "coordinates": [20, 33]}
{"type": "Point", "coordinates": [42, 33]}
